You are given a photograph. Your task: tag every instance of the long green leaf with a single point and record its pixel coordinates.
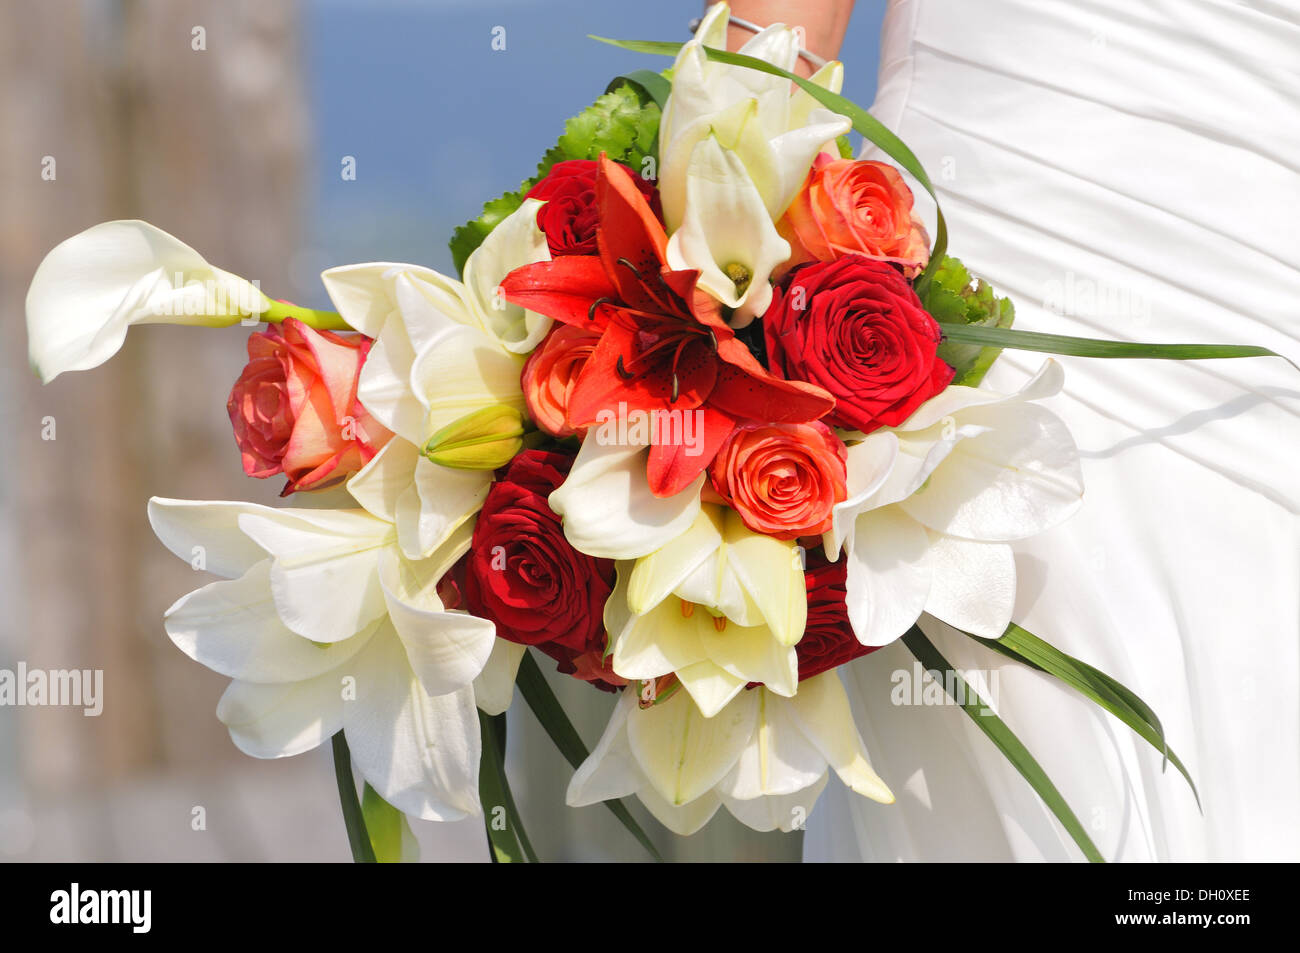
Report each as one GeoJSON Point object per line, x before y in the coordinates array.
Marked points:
{"type": "Point", "coordinates": [353, 819]}
{"type": "Point", "coordinates": [509, 842]}
{"type": "Point", "coordinates": [537, 693]}
{"type": "Point", "coordinates": [1002, 736]}
{"type": "Point", "coordinates": [1023, 646]}
{"type": "Point", "coordinates": [1095, 347]}
{"type": "Point", "coordinates": [871, 128]}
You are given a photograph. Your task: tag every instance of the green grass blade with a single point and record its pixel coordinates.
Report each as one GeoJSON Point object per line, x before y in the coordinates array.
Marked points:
{"type": "Point", "coordinates": [353, 819]}
{"type": "Point", "coordinates": [1095, 347]}
{"type": "Point", "coordinates": [655, 85]}
{"type": "Point", "coordinates": [537, 693]}
{"type": "Point", "coordinates": [1023, 646]}
{"type": "Point", "coordinates": [1001, 736]}
{"type": "Point", "coordinates": [510, 843]}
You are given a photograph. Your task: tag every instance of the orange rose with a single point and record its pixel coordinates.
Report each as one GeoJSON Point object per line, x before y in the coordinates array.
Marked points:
{"type": "Point", "coordinates": [783, 479]}
{"type": "Point", "coordinates": [550, 373]}
{"type": "Point", "coordinates": [295, 410]}
{"type": "Point", "coordinates": [854, 207]}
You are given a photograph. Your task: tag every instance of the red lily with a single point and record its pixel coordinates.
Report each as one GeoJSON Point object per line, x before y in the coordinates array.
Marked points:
{"type": "Point", "coordinates": [664, 344]}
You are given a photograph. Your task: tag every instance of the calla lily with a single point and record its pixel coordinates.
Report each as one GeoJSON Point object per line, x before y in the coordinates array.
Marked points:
{"type": "Point", "coordinates": [324, 626]}
{"type": "Point", "coordinates": [727, 234]}
{"type": "Point", "coordinates": [93, 287]}
{"type": "Point", "coordinates": [940, 497]}
{"type": "Point", "coordinates": [763, 756]}
{"type": "Point", "coordinates": [720, 606]}
{"type": "Point", "coordinates": [445, 352]}
{"type": "Point", "coordinates": [774, 134]}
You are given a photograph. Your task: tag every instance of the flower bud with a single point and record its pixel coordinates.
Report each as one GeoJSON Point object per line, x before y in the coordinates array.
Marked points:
{"type": "Point", "coordinates": [483, 440]}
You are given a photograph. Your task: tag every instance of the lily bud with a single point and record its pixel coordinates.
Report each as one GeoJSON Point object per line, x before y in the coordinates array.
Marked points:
{"type": "Point", "coordinates": [483, 440]}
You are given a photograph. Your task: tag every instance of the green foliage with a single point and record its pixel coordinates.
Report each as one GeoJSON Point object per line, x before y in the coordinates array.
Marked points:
{"type": "Point", "coordinates": [623, 124]}
{"type": "Point", "coordinates": [953, 298]}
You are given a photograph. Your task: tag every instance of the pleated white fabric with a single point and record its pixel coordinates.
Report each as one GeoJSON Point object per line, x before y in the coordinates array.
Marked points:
{"type": "Point", "coordinates": [1122, 170]}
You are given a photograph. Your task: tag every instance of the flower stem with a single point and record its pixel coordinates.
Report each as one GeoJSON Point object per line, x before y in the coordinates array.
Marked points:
{"type": "Point", "coordinates": [358, 837]}
{"type": "Point", "coordinates": [276, 311]}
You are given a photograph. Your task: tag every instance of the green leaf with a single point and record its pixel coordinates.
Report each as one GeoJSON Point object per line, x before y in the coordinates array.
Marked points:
{"type": "Point", "coordinates": [386, 826]}
{"type": "Point", "coordinates": [353, 818]}
{"type": "Point", "coordinates": [1095, 347]}
{"type": "Point", "coordinates": [653, 86]}
{"type": "Point", "coordinates": [509, 842]}
{"type": "Point", "coordinates": [537, 693]}
{"type": "Point", "coordinates": [1002, 736]}
{"type": "Point", "coordinates": [868, 125]}
{"type": "Point", "coordinates": [619, 124]}
{"type": "Point", "coordinates": [1023, 646]}
{"type": "Point", "coordinates": [952, 297]}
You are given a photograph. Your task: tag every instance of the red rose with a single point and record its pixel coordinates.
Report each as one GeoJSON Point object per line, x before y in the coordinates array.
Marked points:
{"type": "Point", "coordinates": [828, 640]}
{"type": "Point", "coordinates": [294, 408]}
{"type": "Point", "coordinates": [569, 219]}
{"type": "Point", "coordinates": [855, 327]}
{"type": "Point", "coordinates": [522, 574]}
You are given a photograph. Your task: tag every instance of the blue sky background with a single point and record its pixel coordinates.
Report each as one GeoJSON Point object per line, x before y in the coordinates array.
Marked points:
{"type": "Point", "coordinates": [439, 122]}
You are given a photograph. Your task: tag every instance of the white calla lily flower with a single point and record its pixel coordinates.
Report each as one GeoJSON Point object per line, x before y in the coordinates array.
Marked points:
{"type": "Point", "coordinates": [971, 471]}
{"type": "Point", "coordinates": [324, 625]}
{"type": "Point", "coordinates": [774, 133]}
{"type": "Point", "coordinates": [764, 756]}
{"type": "Point", "coordinates": [720, 606]}
{"type": "Point", "coordinates": [90, 289]}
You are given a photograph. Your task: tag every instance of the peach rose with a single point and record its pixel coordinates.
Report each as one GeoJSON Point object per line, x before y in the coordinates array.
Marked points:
{"type": "Point", "coordinates": [550, 373]}
{"type": "Point", "coordinates": [852, 206]}
{"type": "Point", "coordinates": [783, 479]}
{"type": "Point", "coordinates": [295, 410]}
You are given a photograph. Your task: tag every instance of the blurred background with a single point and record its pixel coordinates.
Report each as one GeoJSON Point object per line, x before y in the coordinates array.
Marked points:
{"type": "Point", "coordinates": [228, 123]}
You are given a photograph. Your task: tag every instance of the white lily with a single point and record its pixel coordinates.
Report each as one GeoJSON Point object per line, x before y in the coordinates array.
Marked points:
{"type": "Point", "coordinates": [324, 625]}
{"type": "Point", "coordinates": [765, 757]}
{"type": "Point", "coordinates": [776, 135]}
{"type": "Point", "coordinates": [720, 606]}
{"type": "Point", "coordinates": [939, 498]}
{"type": "Point", "coordinates": [90, 289]}
{"type": "Point", "coordinates": [443, 349]}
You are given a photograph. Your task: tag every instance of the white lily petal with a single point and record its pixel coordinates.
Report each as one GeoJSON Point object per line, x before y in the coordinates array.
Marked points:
{"type": "Point", "coordinates": [778, 759]}
{"type": "Point", "coordinates": [869, 464]}
{"type": "Point", "coordinates": [323, 576]}
{"type": "Point", "coordinates": [419, 752]}
{"type": "Point", "coordinates": [786, 812]}
{"type": "Point", "coordinates": [446, 650]}
{"type": "Point", "coordinates": [232, 627]}
{"type": "Point", "coordinates": [494, 688]}
{"type": "Point", "coordinates": [206, 534]}
{"type": "Point", "coordinates": [888, 579]}
{"type": "Point", "coordinates": [380, 483]}
{"type": "Point", "coordinates": [282, 720]}
{"type": "Point", "coordinates": [515, 242]}
{"type": "Point", "coordinates": [682, 819]}
{"type": "Point", "coordinates": [752, 654]}
{"type": "Point", "coordinates": [822, 710]}
{"type": "Point", "coordinates": [974, 585]}
{"type": "Point", "coordinates": [1018, 478]}
{"type": "Point", "coordinates": [93, 286]}
{"type": "Point", "coordinates": [610, 771]}
{"type": "Point", "coordinates": [710, 686]}
{"type": "Point", "coordinates": [659, 642]}
{"type": "Point", "coordinates": [657, 575]}
{"type": "Point", "coordinates": [363, 294]}
{"type": "Point", "coordinates": [440, 501]}
{"type": "Point", "coordinates": [684, 754]}
{"type": "Point", "coordinates": [608, 509]}
{"type": "Point", "coordinates": [771, 572]}
{"type": "Point", "coordinates": [461, 371]}
{"type": "Point", "coordinates": [1046, 382]}
{"type": "Point", "coordinates": [384, 385]}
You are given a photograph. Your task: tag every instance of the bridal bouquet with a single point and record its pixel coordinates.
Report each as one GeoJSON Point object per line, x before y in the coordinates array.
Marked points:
{"type": "Point", "coordinates": [699, 422]}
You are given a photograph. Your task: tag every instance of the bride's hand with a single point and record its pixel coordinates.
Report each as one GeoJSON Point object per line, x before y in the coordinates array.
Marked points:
{"type": "Point", "coordinates": [823, 24]}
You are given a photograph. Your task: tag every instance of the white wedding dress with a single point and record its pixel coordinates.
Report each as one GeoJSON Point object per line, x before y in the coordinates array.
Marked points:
{"type": "Point", "coordinates": [1122, 169]}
